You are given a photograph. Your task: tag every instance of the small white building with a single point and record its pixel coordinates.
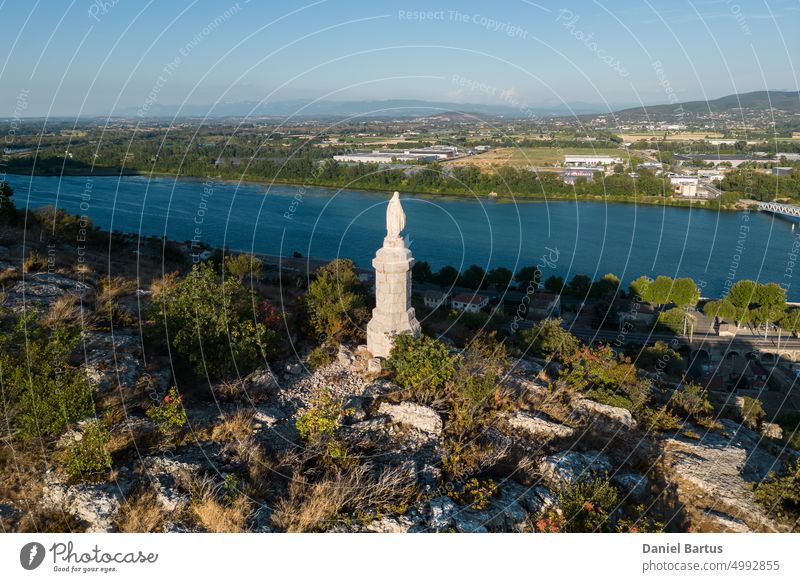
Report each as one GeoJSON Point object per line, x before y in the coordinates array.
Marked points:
{"type": "Point", "coordinates": [469, 302]}
{"type": "Point", "coordinates": [582, 161]}
{"type": "Point", "coordinates": [434, 299]}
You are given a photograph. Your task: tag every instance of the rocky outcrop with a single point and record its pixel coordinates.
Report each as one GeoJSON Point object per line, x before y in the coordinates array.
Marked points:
{"type": "Point", "coordinates": [538, 427]}
{"type": "Point", "coordinates": [95, 504]}
{"type": "Point", "coordinates": [422, 418]}
{"type": "Point", "coordinates": [602, 417]}
{"type": "Point", "coordinates": [572, 466]}
{"type": "Point", "coordinates": [712, 477]}
{"type": "Point", "coordinates": [41, 289]}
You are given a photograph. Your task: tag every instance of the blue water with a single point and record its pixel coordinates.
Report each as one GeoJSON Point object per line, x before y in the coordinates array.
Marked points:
{"type": "Point", "coordinates": [577, 237]}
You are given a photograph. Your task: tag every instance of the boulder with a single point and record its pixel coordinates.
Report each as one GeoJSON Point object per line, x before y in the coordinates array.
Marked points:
{"type": "Point", "coordinates": [602, 416]}
{"type": "Point", "coordinates": [93, 503]}
{"type": "Point", "coordinates": [538, 427]}
{"type": "Point", "coordinates": [442, 512]}
{"type": "Point", "coordinates": [712, 477]}
{"type": "Point", "coordinates": [422, 418]}
{"type": "Point", "coordinates": [772, 431]}
{"type": "Point", "coordinates": [374, 366]}
{"type": "Point", "coordinates": [572, 466]}
{"type": "Point", "coordinates": [632, 484]}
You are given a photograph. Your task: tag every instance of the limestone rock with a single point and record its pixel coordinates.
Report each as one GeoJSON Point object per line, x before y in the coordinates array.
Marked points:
{"type": "Point", "coordinates": [633, 484]}
{"type": "Point", "coordinates": [772, 430]}
{"type": "Point", "coordinates": [712, 476]}
{"type": "Point", "coordinates": [93, 503]}
{"type": "Point", "coordinates": [602, 416]}
{"type": "Point", "coordinates": [374, 366]}
{"type": "Point", "coordinates": [538, 427]}
{"type": "Point", "coordinates": [422, 418]}
{"type": "Point", "coordinates": [262, 379]}
{"type": "Point", "coordinates": [442, 512]}
{"type": "Point", "coordinates": [572, 466]}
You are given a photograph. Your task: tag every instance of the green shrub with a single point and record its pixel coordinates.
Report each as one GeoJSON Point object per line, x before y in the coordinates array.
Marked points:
{"type": "Point", "coordinates": [422, 366]}
{"type": "Point", "coordinates": [752, 412]}
{"type": "Point", "coordinates": [660, 420]}
{"type": "Point", "coordinates": [548, 338]}
{"type": "Point", "coordinates": [779, 495]}
{"type": "Point", "coordinates": [336, 301]}
{"type": "Point", "coordinates": [60, 223]}
{"type": "Point", "coordinates": [603, 376]}
{"type": "Point", "coordinates": [587, 505]}
{"type": "Point", "coordinates": [321, 419]}
{"type": "Point", "coordinates": [211, 324]}
{"type": "Point", "coordinates": [320, 357]}
{"type": "Point", "coordinates": [475, 393]}
{"type": "Point", "coordinates": [170, 414]}
{"type": "Point", "coordinates": [43, 392]}
{"type": "Point", "coordinates": [476, 493]}
{"type": "Point", "coordinates": [691, 400]}
{"type": "Point", "coordinates": [676, 320]}
{"type": "Point", "coordinates": [87, 458]}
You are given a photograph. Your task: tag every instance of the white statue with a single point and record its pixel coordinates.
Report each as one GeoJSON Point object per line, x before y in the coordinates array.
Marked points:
{"type": "Point", "coordinates": [395, 217]}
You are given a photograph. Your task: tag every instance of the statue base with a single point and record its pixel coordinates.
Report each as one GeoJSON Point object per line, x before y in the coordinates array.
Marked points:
{"type": "Point", "coordinates": [393, 314]}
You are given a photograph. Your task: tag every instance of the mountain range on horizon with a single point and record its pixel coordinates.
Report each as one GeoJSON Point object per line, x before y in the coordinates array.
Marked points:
{"type": "Point", "coordinates": [788, 101]}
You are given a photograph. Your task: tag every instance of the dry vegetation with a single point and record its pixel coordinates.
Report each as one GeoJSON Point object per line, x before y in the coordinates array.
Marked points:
{"type": "Point", "coordinates": [141, 513]}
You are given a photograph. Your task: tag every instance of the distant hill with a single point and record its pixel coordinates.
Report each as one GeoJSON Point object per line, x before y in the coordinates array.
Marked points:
{"type": "Point", "coordinates": [389, 108]}
{"type": "Point", "coordinates": [788, 101]}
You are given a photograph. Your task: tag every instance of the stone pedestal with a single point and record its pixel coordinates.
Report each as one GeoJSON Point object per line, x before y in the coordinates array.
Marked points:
{"type": "Point", "coordinates": [393, 314]}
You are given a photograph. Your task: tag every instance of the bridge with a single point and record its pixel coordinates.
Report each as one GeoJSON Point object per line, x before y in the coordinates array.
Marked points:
{"type": "Point", "coordinates": [778, 208]}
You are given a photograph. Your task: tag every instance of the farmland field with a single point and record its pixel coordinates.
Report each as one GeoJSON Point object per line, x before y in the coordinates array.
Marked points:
{"type": "Point", "coordinates": [524, 157]}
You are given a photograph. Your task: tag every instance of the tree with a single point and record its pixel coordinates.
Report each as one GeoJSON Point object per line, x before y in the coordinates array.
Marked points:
{"type": "Point", "coordinates": [659, 359]}
{"type": "Point", "coordinates": [447, 276]}
{"type": "Point", "coordinates": [723, 309]}
{"type": "Point", "coordinates": [421, 271]}
{"type": "Point", "coordinates": [473, 278]}
{"type": "Point", "coordinates": [605, 287]}
{"type": "Point", "coordinates": [554, 284]}
{"type": "Point", "coordinates": [500, 278]}
{"type": "Point", "coordinates": [528, 277]}
{"type": "Point", "coordinates": [211, 324]}
{"type": "Point", "coordinates": [422, 365]}
{"type": "Point", "coordinates": [742, 295]}
{"type": "Point", "coordinates": [549, 338]}
{"type": "Point", "coordinates": [336, 301]}
{"type": "Point", "coordinates": [641, 288]}
{"type": "Point", "coordinates": [579, 286]}
{"type": "Point", "coordinates": [8, 212]}
{"type": "Point", "coordinates": [659, 290]}
{"type": "Point", "coordinates": [243, 265]}
{"type": "Point", "coordinates": [684, 292]}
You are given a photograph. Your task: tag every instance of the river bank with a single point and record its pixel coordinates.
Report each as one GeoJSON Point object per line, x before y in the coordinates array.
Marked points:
{"type": "Point", "coordinates": [699, 203]}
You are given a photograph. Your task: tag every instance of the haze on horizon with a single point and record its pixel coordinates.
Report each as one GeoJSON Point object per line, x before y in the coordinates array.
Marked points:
{"type": "Point", "coordinates": [104, 57]}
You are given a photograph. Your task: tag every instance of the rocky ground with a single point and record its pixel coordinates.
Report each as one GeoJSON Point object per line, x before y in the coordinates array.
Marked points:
{"type": "Point", "coordinates": [693, 478]}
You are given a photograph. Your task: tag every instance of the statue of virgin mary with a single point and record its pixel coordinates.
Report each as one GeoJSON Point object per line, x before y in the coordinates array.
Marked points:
{"type": "Point", "coordinates": [395, 217]}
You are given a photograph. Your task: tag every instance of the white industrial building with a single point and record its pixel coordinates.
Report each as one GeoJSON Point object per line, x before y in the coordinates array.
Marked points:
{"type": "Point", "coordinates": [429, 154]}
{"type": "Point", "coordinates": [582, 161]}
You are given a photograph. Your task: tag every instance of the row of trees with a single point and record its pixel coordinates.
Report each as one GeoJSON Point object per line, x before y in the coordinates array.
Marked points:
{"type": "Point", "coordinates": [757, 304]}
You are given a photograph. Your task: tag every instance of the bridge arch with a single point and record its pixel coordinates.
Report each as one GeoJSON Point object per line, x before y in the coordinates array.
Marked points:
{"type": "Point", "coordinates": [768, 358]}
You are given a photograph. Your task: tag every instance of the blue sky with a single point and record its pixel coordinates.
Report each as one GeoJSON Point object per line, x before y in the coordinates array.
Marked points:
{"type": "Point", "coordinates": [63, 57]}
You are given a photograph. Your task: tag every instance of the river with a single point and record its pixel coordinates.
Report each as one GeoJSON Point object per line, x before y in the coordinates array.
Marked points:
{"type": "Point", "coordinates": [575, 237]}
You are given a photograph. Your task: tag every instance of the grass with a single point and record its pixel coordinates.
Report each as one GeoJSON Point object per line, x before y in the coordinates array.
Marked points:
{"type": "Point", "coordinates": [315, 506]}
{"type": "Point", "coordinates": [216, 515]}
{"type": "Point", "coordinates": [140, 513]}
